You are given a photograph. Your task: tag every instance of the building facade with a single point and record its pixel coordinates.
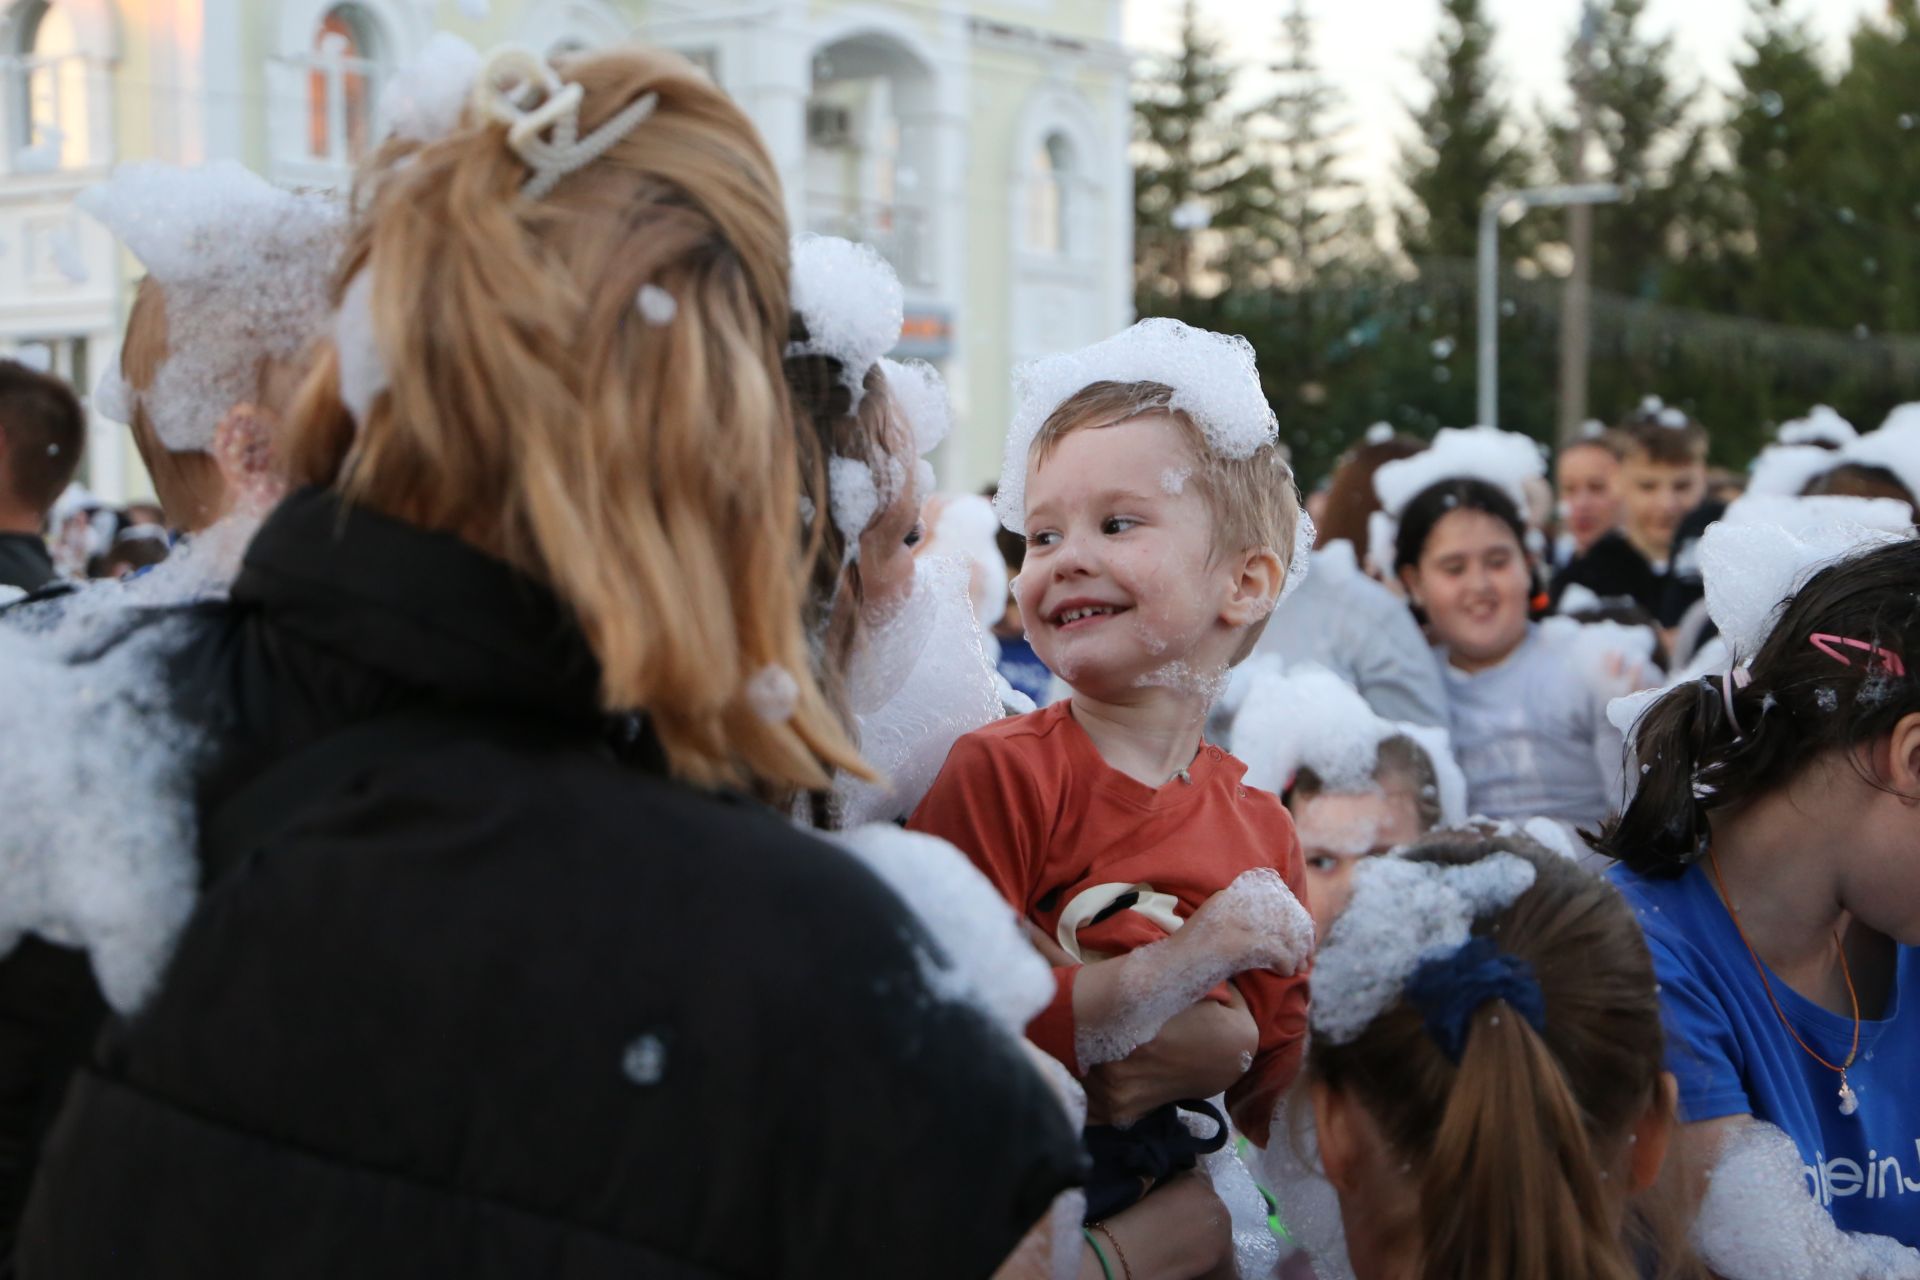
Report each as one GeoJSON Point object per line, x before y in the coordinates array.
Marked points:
{"type": "Point", "coordinates": [982, 147]}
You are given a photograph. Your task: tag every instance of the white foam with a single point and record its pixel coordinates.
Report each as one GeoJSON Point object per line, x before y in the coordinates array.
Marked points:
{"type": "Point", "coordinates": [656, 306]}
{"type": "Point", "coordinates": [1256, 1252]}
{"type": "Point", "coordinates": [1821, 425]}
{"type": "Point", "coordinates": [1751, 571]}
{"type": "Point", "coordinates": [1504, 459]}
{"type": "Point", "coordinates": [1758, 1222]}
{"type": "Point", "coordinates": [1379, 433]}
{"type": "Point", "coordinates": [1551, 836]}
{"type": "Point", "coordinates": [773, 694]}
{"type": "Point", "coordinates": [967, 527]}
{"type": "Point", "coordinates": [1787, 469]}
{"type": "Point", "coordinates": [1213, 377]}
{"type": "Point", "coordinates": [1799, 515]}
{"type": "Point", "coordinates": [1253, 923]}
{"type": "Point", "coordinates": [424, 99]}
{"type": "Point", "coordinates": [855, 499]}
{"type": "Point", "coordinates": [921, 394]}
{"type": "Point", "coordinates": [1895, 447]}
{"type": "Point", "coordinates": [850, 300]}
{"type": "Point", "coordinates": [984, 956]}
{"type": "Point", "coordinates": [918, 680]}
{"type": "Point", "coordinates": [245, 267]}
{"type": "Point", "coordinates": [1402, 913]}
{"type": "Point", "coordinates": [356, 342]}
{"type": "Point", "coordinates": [98, 849]}
{"type": "Point", "coordinates": [112, 397]}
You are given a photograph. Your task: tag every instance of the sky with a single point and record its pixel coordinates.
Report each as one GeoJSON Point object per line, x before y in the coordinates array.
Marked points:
{"type": "Point", "coordinates": [1370, 50]}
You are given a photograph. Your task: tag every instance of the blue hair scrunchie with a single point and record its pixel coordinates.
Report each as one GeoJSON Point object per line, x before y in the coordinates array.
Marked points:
{"type": "Point", "coordinates": [1447, 990]}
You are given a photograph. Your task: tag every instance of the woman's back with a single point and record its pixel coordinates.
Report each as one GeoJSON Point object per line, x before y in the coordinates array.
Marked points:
{"type": "Point", "coordinates": [486, 999]}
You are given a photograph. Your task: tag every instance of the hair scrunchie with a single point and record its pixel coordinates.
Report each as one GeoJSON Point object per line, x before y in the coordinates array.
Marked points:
{"type": "Point", "coordinates": [1449, 989]}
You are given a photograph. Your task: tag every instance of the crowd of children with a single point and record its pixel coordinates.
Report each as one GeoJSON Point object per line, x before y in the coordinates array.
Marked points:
{"type": "Point", "coordinates": [479, 849]}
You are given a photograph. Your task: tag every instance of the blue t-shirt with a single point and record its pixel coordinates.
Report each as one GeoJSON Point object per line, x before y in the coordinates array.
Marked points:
{"type": "Point", "coordinates": [1733, 1057]}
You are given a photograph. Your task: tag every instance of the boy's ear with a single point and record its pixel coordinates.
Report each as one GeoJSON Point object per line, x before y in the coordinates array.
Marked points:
{"type": "Point", "coordinates": [1256, 588]}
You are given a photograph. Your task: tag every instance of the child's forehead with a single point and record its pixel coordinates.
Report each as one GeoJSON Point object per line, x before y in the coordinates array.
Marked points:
{"type": "Point", "coordinates": [1144, 443]}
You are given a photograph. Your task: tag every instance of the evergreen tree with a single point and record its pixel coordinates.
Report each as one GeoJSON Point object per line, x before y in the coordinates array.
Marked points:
{"type": "Point", "coordinates": [1780, 127]}
{"type": "Point", "coordinates": [1872, 198]}
{"type": "Point", "coordinates": [1466, 146]}
{"type": "Point", "coordinates": [1318, 217]}
{"type": "Point", "coordinates": [1653, 148]}
{"type": "Point", "coordinates": [1199, 195]}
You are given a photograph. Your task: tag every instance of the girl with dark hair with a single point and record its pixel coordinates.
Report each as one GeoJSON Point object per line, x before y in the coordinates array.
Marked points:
{"type": "Point", "coordinates": [1773, 851]}
{"type": "Point", "coordinates": [1528, 717]}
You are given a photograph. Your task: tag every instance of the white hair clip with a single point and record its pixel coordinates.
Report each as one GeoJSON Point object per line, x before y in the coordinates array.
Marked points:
{"type": "Point", "coordinates": [521, 90]}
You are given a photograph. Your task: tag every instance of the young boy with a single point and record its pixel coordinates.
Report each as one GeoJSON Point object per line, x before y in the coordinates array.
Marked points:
{"type": "Point", "coordinates": [1158, 541]}
{"type": "Point", "coordinates": [1663, 478]}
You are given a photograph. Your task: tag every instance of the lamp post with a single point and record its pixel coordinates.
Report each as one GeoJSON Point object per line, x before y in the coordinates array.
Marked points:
{"type": "Point", "coordinates": [1492, 210]}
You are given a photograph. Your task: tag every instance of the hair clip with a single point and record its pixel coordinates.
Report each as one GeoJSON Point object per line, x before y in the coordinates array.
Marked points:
{"type": "Point", "coordinates": [521, 90]}
{"type": "Point", "coordinates": [1887, 661]}
{"type": "Point", "coordinates": [1731, 679]}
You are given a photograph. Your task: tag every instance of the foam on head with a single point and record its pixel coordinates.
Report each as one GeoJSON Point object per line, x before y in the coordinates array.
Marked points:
{"type": "Point", "coordinates": [424, 99]}
{"type": "Point", "coordinates": [850, 300]}
{"type": "Point", "coordinates": [920, 394]}
{"type": "Point", "coordinates": [1822, 425]}
{"type": "Point", "coordinates": [245, 268]}
{"type": "Point", "coordinates": [1505, 459]}
{"type": "Point", "coordinates": [1751, 571]}
{"type": "Point", "coordinates": [1213, 376]}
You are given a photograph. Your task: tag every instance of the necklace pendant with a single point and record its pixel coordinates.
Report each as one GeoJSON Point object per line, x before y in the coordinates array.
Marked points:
{"type": "Point", "coordinates": [1849, 1100]}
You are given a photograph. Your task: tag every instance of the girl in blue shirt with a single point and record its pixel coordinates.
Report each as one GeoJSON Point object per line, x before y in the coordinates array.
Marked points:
{"type": "Point", "coordinates": [1773, 854]}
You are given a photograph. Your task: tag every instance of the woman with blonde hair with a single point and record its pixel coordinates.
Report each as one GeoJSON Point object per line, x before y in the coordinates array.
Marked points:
{"type": "Point", "coordinates": [487, 974]}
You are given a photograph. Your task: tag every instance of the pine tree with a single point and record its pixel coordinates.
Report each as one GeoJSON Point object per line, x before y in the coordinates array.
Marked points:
{"type": "Point", "coordinates": [1780, 126]}
{"type": "Point", "coordinates": [1466, 147]}
{"type": "Point", "coordinates": [1653, 148]}
{"type": "Point", "coordinates": [1872, 198]}
{"type": "Point", "coordinates": [1318, 217]}
{"type": "Point", "coordinates": [1199, 195]}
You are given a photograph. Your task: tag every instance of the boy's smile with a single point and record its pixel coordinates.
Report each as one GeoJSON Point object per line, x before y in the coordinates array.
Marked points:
{"type": "Point", "coordinates": [1119, 582]}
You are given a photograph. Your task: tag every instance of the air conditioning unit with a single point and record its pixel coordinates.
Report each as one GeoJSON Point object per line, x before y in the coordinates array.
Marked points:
{"type": "Point", "coordinates": [829, 125]}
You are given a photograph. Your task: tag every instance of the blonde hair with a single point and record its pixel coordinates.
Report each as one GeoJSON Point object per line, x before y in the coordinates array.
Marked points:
{"type": "Point", "coordinates": [1254, 502]}
{"type": "Point", "coordinates": [644, 472]}
{"type": "Point", "coordinates": [188, 482]}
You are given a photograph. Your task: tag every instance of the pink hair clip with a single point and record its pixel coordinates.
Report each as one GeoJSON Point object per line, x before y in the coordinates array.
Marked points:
{"type": "Point", "coordinates": [1887, 661]}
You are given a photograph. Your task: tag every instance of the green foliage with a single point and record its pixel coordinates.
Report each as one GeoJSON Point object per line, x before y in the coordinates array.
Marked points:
{"type": "Point", "coordinates": [1191, 154]}
{"type": "Point", "coordinates": [1769, 261]}
{"type": "Point", "coordinates": [1466, 145]}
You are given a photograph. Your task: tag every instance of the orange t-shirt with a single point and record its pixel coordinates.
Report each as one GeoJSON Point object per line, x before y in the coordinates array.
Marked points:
{"type": "Point", "coordinates": [1037, 808]}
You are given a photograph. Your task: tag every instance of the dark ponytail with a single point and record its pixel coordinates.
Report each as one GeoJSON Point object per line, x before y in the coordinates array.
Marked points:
{"type": "Point", "coordinates": [1798, 703]}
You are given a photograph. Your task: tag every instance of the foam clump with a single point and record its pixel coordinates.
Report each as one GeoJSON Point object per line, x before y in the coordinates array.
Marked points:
{"type": "Point", "coordinates": [424, 100]}
{"type": "Point", "coordinates": [1613, 658]}
{"type": "Point", "coordinates": [1256, 1253]}
{"type": "Point", "coordinates": [356, 343]}
{"type": "Point", "coordinates": [919, 679]}
{"type": "Point", "coordinates": [773, 693]}
{"type": "Point", "coordinates": [1896, 447]}
{"type": "Point", "coordinates": [850, 301]}
{"type": "Point", "coordinates": [1307, 717]}
{"type": "Point", "coordinates": [245, 267]}
{"type": "Point", "coordinates": [1308, 1205]}
{"type": "Point", "coordinates": [1822, 425]}
{"type": "Point", "coordinates": [1800, 515]}
{"type": "Point", "coordinates": [921, 395]}
{"type": "Point", "coordinates": [966, 527]}
{"type": "Point", "coordinates": [1253, 923]}
{"type": "Point", "coordinates": [1504, 459]}
{"type": "Point", "coordinates": [1213, 377]}
{"type": "Point", "coordinates": [1402, 914]}
{"type": "Point", "coordinates": [656, 306]}
{"type": "Point", "coordinates": [1757, 1221]}
{"type": "Point", "coordinates": [1751, 572]}
{"type": "Point", "coordinates": [854, 498]}
{"type": "Point", "coordinates": [1379, 433]}
{"type": "Point", "coordinates": [1785, 470]}
{"type": "Point", "coordinates": [98, 849]}
{"type": "Point", "coordinates": [984, 956]}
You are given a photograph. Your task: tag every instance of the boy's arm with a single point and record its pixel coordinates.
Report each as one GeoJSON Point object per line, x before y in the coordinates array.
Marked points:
{"type": "Point", "coordinates": [988, 805]}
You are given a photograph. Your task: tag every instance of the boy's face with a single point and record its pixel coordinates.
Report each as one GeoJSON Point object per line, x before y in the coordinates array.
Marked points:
{"type": "Point", "coordinates": [1119, 582]}
{"type": "Point", "coordinates": [1656, 497]}
{"type": "Point", "coordinates": [1337, 831]}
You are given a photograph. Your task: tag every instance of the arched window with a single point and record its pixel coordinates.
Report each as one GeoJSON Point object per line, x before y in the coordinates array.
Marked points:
{"type": "Point", "coordinates": [49, 105]}
{"type": "Point", "coordinates": [1050, 196]}
{"type": "Point", "coordinates": [347, 54]}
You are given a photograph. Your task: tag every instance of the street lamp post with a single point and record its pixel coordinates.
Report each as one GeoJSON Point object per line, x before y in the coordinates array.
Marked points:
{"type": "Point", "coordinates": [1492, 210]}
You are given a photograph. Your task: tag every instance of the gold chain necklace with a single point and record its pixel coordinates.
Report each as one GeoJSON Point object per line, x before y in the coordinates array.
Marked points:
{"type": "Point", "coordinates": [1849, 1101]}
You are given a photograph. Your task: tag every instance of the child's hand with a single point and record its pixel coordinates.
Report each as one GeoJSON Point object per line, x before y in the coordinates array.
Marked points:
{"type": "Point", "coordinates": [1253, 923]}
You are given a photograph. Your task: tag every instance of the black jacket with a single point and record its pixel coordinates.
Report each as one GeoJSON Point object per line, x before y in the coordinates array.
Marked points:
{"type": "Point", "coordinates": [25, 562]}
{"type": "Point", "coordinates": [510, 1003]}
